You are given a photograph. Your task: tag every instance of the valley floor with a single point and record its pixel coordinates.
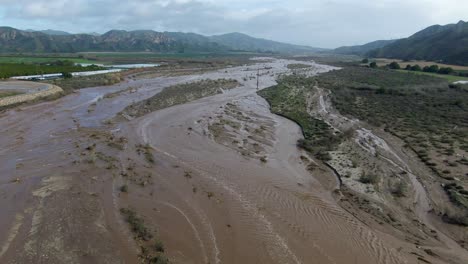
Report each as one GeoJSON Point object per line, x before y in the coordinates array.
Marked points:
{"type": "Point", "coordinates": [215, 180]}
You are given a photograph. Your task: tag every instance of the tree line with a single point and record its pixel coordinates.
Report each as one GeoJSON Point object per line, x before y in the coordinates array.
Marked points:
{"type": "Point", "coordinates": [431, 69]}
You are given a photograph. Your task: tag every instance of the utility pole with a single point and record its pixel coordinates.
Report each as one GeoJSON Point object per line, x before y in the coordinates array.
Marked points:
{"type": "Point", "coordinates": [258, 76]}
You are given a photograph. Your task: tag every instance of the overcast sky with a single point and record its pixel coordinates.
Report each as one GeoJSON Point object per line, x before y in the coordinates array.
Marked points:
{"type": "Point", "coordinates": [319, 23]}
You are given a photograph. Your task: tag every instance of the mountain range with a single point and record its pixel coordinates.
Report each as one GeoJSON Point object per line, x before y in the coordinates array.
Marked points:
{"type": "Point", "coordinates": [49, 32]}
{"type": "Point", "coordinates": [14, 40]}
{"type": "Point", "coordinates": [447, 44]}
{"type": "Point", "coordinates": [362, 50]}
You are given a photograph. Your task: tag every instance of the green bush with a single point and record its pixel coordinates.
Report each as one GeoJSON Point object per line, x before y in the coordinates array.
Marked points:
{"type": "Point", "coordinates": [67, 75]}
{"type": "Point", "coordinates": [399, 189]}
{"type": "Point", "coordinates": [137, 224]}
{"type": "Point", "coordinates": [446, 70]}
{"type": "Point", "coordinates": [416, 68]}
{"type": "Point", "coordinates": [367, 178]}
{"type": "Point", "coordinates": [124, 188]}
{"type": "Point", "coordinates": [394, 65]}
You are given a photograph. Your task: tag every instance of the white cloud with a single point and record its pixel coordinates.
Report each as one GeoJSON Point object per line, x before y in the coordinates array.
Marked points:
{"type": "Point", "coordinates": [326, 23]}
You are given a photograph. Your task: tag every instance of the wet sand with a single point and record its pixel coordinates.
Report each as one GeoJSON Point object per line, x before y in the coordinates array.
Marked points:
{"type": "Point", "coordinates": [204, 200]}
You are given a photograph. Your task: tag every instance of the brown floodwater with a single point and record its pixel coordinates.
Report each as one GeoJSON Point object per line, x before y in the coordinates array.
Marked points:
{"type": "Point", "coordinates": [232, 208]}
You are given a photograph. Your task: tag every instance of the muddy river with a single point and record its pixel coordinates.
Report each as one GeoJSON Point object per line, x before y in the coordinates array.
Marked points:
{"type": "Point", "coordinates": [205, 200]}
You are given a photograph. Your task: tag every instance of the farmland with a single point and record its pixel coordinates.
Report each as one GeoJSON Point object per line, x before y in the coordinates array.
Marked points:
{"type": "Point", "coordinates": [42, 59]}
{"type": "Point", "coordinates": [8, 70]}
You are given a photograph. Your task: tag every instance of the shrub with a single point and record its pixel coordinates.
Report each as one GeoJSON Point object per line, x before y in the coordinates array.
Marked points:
{"type": "Point", "coordinates": [67, 75]}
{"type": "Point", "coordinates": [399, 189]}
{"type": "Point", "coordinates": [455, 217]}
{"type": "Point", "coordinates": [124, 188]}
{"type": "Point", "coordinates": [368, 178]}
{"type": "Point", "coordinates": [137, 224]}
{"type": "Point", "coordinates": [159, 246]}
{"type": "Point", "coordinates": [432, 68]}
{"type": "Point", "coordinates": [445, 70]}
{"type": "Point", "coordinates": [159, 259]}
{"type": "Point", "coordinates": [415, 68]}
{"type": "Point", "coordinates": [394, 66]}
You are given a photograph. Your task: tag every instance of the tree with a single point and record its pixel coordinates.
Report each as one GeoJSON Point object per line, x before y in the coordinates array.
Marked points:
{"type": "Point", "coordinates": [365, 61]}
{"type": "Point", "coordinates": [416, 68]}
{"type": "Point", "coordinates": [445, 70]}
{"type": "Point", "coordinates": [408, 67]}
{"type": "Point", "coordinates": [373, 64]}
{"type": "Point", "coordinates": [432, 68]}
{"type": "Point", "coordinates": [67, 75]}
{"type": "Point", "coordinates": [394, 66]}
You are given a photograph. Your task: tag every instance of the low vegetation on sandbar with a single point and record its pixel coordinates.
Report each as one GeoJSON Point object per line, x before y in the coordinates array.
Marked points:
{"type": "Point", "coordinates": [152, 249]}
{"type": "Point", "coordinates": [296, 66]}
{"type": "Point", "coordinates": [179, 94]}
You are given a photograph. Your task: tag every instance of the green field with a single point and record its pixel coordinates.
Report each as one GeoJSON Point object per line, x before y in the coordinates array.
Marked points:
{"type": "Point", "coordinates": [450, 78]}
{"type": "Point", "coordinates": [147, 55]}
{"type": "Point", "coordinates": [122, 57]}
{"type": "Point", "coordinates": [8, 70]}
{"type": "Point", "coordinates": [45, 59]}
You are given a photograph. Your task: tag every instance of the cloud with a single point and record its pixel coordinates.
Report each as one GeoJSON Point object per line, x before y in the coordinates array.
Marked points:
{"type": "Point", "coordinates": [325, 23]}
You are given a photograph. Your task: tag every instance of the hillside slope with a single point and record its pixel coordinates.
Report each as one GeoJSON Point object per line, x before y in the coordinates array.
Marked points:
{"type": "Point", "coordinates": [361, 50]}
{"type": "Point", "coordinates": [239, 41]}
{"type": "Point", "coordinates": [14, 40]}
{"type": "Point", "coordinates": [448, 44]}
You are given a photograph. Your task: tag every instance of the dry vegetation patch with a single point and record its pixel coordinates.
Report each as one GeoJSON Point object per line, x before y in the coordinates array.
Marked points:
{"type": "Point", "coordinates": [179, 94]}
{"type": "Point", "coordinates": [70, 84]}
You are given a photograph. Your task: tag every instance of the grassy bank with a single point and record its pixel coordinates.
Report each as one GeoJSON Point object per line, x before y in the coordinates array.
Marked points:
{"type": "Point", "coordinates": [288, 99]}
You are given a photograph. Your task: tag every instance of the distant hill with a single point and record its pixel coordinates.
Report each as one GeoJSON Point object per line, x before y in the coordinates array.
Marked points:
{"type": "Point", "coordinates": [92, 33]}
{"type": "Point", "coordinates": [50, 32]}
{"type": "Point", "coordinates": [14, 40]}
{"type": "Point", "coordinates": [361, 50]}
{"type": "Point", "coordinates": [239, 41]}
{"type": "Point", "coordinates": [447, 44]}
